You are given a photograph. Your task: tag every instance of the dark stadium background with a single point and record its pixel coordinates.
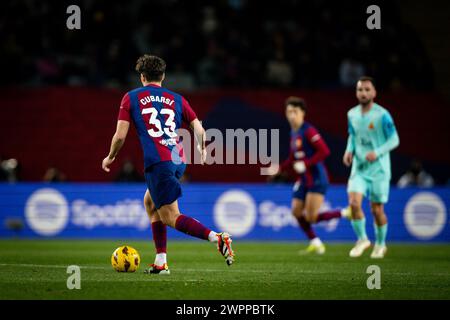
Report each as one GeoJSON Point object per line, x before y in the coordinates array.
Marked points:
{"type": "Point", "coordinates": [236, 61]}
{"type": "Point", "coordinates": [60, 88]}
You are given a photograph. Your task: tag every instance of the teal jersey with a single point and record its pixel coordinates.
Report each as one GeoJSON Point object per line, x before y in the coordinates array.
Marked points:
{"type": "Point", "coordinates": [372, 131]}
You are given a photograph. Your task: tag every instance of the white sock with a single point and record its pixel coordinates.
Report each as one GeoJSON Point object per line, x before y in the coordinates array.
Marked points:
{"type": "Point", "coordinates": [212, 236]}
{"type": "Point", "coordinates": [160, 259]}
{"type": "Point", "coordinates": [316, 241]}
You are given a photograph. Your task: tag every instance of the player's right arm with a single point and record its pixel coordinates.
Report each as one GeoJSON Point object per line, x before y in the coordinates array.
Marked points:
{"type": "Point", "coordinates": [118, 139]}
{"type": "Point", "coordinates": [283, 168]}
{"type": "Point", "coordinates": [117, 142]}
{"type": "Point", "coordinates": [286, 164]}
{"type": "Point", "coordinates": [350, 149]}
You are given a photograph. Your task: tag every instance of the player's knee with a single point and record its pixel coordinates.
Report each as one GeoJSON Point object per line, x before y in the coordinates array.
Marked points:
{"type": "Point", "coordinates": [149, 207]}
{"type": "Point", "coordinates": [168, 217]}
{"type": "Point", "coordinates": [165, 219]}
{"type": "Point", "coordinates": [154, 219]}
{"type": "Point", "coordinates": [172, 219]}
{"type": "Point", "coordinates": [148, 203]}
{"type": "Point", "coordinates": [377, 210]}
{"type": "Point", "coordinates": [297, 212]}
{"type": "Point", "coordinates": [310, 217]}
{"type": "Point", "coordinates": [355, 206]}
{"type": "Point", "coordinates": [151, 211]}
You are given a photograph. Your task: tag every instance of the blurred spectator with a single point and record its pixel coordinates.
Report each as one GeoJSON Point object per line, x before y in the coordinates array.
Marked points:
{"type": "Point", "coordinates": [350, 71]}
{"type": "Point", "coordinates": [218, 43]}
{"type": "Point", "coordinates": [416, 177]}
{"type": "Point", "coordinates": [210, 23]}
{"type": "Point", "coordinates": [3, 172]}
{"type": "Point", "coordinates": [9, 170]}
{"type": "Point", "coordinates": [279, 72]}
{"type": "Point", "coordinates": [209, 67]}
{"type": "Point", "coordinates": [54, 175]}
{"type": "Point", "coordinates": [179, 79]}
{"type": "Point", "coordinates": [128, 173]}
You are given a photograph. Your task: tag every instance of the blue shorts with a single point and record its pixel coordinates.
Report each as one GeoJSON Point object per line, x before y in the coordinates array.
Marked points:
{"type": "Point", "coordinates": [162, 180]}
{"type": "Point", "coordinates": [300, 190]}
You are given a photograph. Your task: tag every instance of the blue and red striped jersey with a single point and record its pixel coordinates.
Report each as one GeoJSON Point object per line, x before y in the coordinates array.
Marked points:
{"type": "Point", "coordinates": [307, 145]}
{"type": "Point", "coordinates": [157, 114]}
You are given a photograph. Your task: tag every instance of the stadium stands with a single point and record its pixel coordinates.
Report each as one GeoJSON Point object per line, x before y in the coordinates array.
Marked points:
{"type": "Point", "coordinates": [232, 43]}
{"type": "Point", "coordinates": [75, 137]}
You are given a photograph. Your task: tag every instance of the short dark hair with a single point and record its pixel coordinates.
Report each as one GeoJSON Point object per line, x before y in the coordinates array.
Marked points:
{"type": "Point", "coordinates": [296, 102]}
{"type": "Point", "coordinates": [367, 78]}
{"type": "Point", "coordinates": [151, 67]}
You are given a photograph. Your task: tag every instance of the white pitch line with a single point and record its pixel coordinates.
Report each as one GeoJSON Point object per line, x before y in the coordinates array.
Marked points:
{"type": "Point", "coordinates": [231, 270]}
{"type": "Point", "coordinates": [108, 268]}
{"type": "Point", "coordinates": [177, 270]}
{"type": "Point", "coordinates": [151, 279]}
{"type": "Point", "coordinates": [46, 266]}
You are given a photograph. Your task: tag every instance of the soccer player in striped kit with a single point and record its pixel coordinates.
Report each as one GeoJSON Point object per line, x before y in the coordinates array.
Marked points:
{"type": "Point", "coordinates": [157, 113]}
{"type": "Point", "coordinates": [307, 152]}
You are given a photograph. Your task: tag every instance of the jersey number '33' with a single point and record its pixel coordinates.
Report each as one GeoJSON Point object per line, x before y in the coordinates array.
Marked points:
{"type": "Point", "coordinates": [169, 124]}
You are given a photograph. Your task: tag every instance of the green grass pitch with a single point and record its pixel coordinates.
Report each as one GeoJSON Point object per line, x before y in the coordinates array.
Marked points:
{"type": "Point", "coordinates": [266, 270]}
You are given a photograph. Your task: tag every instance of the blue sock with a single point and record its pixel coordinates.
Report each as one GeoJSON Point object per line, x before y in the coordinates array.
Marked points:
{"type": "Point", "coordinates": [359, 226]}
{"type": "Point", "coordinates": [380, 234]}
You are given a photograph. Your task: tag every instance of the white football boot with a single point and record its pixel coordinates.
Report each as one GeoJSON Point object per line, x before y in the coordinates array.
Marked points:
{"type": "Point", "coordinates": [359, 248]}
{"type": "Point", "coordinates": [155, 269]}
{"type": "Point", "coordinates": [378, 252]}
{"type": "Point", "coordinates": [315, 246]}
{"type": "Point", "coordinates": [224, 247]}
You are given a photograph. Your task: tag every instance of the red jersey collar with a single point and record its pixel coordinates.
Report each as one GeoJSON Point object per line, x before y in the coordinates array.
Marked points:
{"type": "Point", "coordinates": [152, 85]}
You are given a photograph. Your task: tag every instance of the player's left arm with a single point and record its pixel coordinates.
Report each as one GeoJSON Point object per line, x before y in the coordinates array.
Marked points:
{"type": "Point", "coordinates": [321, 150]}
{"type": "Point", "coordinates": [390, 134]}
{"type": "Point", "coordinates": [392, 139]}
{"type": "Point", "coordinates": [200, 136]}
{"type": "Point", "coordinates": [190, 117]}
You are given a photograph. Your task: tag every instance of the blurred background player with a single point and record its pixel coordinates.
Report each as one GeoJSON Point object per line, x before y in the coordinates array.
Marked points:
{"type": "Point", "coordinates": [306, 155]}
{"type": "Point", "coordinates": [157, 113]}
{"type": "Point", "coordinates": [372, 135]}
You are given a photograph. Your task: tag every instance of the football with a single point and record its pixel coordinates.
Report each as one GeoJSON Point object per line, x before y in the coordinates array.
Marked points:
{"type": "Point", "coordinates": [125, 259]}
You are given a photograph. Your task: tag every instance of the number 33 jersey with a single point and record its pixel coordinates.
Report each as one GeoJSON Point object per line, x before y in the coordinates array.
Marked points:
{"type": "Point", "coordinates": [157, 114]}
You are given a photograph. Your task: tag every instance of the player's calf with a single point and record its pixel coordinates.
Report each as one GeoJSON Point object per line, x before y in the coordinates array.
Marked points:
{"type": "Point", "coordinates": [329, 215]}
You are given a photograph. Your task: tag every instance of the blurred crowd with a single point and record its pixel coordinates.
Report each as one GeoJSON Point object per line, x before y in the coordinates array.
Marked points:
{"type": "Point", "coordinates": [234, 43]}
{"type": "Point", "coordinates": [415, 175]}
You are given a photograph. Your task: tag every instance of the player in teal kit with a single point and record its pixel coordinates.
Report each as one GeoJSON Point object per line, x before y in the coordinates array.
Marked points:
{"type": "Point", "coordinates": [372, 135]}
